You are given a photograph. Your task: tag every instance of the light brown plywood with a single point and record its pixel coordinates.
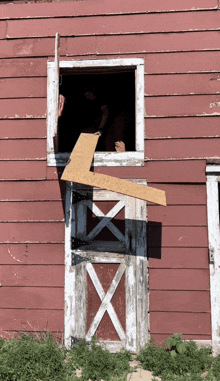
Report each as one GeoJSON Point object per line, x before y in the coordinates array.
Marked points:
{"type": "Point", "coordinates": [78, 170]}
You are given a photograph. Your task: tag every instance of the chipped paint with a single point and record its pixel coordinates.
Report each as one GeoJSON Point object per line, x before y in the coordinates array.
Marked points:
{"type": "Point", "coordinates": [215, 104]}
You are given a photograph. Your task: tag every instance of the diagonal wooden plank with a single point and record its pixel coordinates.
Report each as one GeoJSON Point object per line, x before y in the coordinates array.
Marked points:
{"type": "Point", "coordinates": [78, 170]}
{"type": "Point", "coordinates": [106, 301]}
{"type": "Point", "coordinates": [106, 220]}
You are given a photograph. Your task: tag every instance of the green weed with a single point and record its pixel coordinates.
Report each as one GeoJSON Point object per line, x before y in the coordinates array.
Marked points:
{"type": "Point", "coordinates": [181, 361]}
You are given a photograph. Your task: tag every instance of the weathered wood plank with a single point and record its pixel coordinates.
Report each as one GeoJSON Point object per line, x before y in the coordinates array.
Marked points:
{"type": "Point", "coordinates": [162, 172]}
{"type": "Point", "coordinates": [23, 129]}
{"type": "Point", "coordinates": [23, 87]}
{"type": "Point", "coordinates": [23, 108]}
{"type": "Point", "coordinates": [173, 62]}
{"type": "Point", "coordinates": [32, 211]}
{"type": "Point", "coordinates": [31, 149]}
{"type": "Point", "coordinates": [104, 7]}
{"type": "Point", "coordinates": [28, 254]}
{"type": "Point", "coordinates": [188, 127]}
{"type": "Point", "coordinates": [179, 279]}
{"type": "Point", "coordinates": [180, 301]}
{"type": "Point", "coordinates": [31, 320]}
{"type": "Point", "coordinates": [33, 275]}
{"type": "Point", "coordinates": [23, 170]}
{"type": "Point", "coordinates": [178, 215]}
{"type": "Point", "coordinates": [36, 232]}
{"type": "Point", "coordinates": [54, 173]}
{"type": "Point", "coordinates": [206, 339]}
{"type": "Point", "coordinates": [25, 67]}
{"type": "Point", "coordinates": [120, 24]}
{"type": "Point", "coordinates": [130, 276]}
{"type": "Point", "coordinates": [30, 191]}
{"type": "Point", "coordinates": [189, 105]}
{"type": "Point", "coordinates": [182, 149]}
{"type": "Point", "coordinates": [178, 257]}
{"type": "Point", "coordinates": [32, 297]}
{"type": "Point", "coordinates": [170, 236]}
{"type": "Point", "coordinates": [29, 48]}
{"type": "Point", "coordinates": [3, 29]}
{"type": "Point", "coordinates": [191, 41]}
{"type": "Point", "coordinates": [187, 323]}
{"type": "Point", "coordinates": [180, 84]}
{"type": "Point", "coordinates": [182, 194]}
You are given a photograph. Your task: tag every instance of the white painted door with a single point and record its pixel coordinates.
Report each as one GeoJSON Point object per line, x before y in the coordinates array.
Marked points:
{"type": "Point", "coordinates": [106, 268]}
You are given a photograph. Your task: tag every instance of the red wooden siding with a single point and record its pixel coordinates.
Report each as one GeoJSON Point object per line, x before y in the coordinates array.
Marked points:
{"type": "Point", "coordinates": [23, 129]}
{"type": "Point", "coordinates": [179, 41]}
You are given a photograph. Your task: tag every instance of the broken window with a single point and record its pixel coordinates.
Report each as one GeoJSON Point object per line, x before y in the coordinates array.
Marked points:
{"type": "Point", "coordinates": [101, 95]}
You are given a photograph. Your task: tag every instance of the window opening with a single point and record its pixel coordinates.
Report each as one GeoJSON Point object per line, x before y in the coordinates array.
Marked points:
{"type": "Point", "coordinates": [98, 102]}
{"type": "Point", "coordinates": [116, 108]}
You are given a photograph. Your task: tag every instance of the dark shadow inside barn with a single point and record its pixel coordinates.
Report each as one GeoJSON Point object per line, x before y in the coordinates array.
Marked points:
{"type": "Point", "coordinates": [88, 94]}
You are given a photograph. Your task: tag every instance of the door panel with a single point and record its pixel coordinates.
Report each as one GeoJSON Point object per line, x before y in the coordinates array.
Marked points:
{"type": "Point", "coordinates": [104, 230]}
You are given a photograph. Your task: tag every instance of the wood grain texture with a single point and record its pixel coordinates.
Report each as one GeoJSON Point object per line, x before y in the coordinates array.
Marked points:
{"type": "Point", "coordinates": [176, 236]}
{"type": "Point", "coordinates": [184, 127]}
{"type": "Point", "coordinates": [30, 149]}
{"type": "Point", "coordinates": [182, 148]}
{"type": "Point", "coordinates": [26, 67]}
{"type": "Point", "coordinates": [23, 170]}
{"type": "Point", "coordinates": [189, 41]}
{"type": "Point", "coordinates": [178, 215]}
{"type": "Point", "coordinates": [23, 108]}
{"type": "Point", "coordinates": [32, 298]}
{"type": "Point", "coordinates": [32, 211]}
{"type": "Point", "coordinates": [185, 322]}
{"type": "Point", "coordinates": [23, 87]}
{"type": "Point", "coordinates": [180, 301]}
{"type": "Point", "coordinates": [183, 194]}
{"type": "Point", "coordinates": [189, 105]}
{"type": "Point", "coordinates": [120, 24]}
{"type": "Point", "coordinates": [28, 254]}
{"type": "Point", "coordinates": [31, 320]}
{"type": "Point", "coordinates": [162, 172]}
{"type": "Point", "coordinates": [158, 338]}
{"type": "Point", "coordinates": [32, 232]}
{"type": "Point", "coordinates": [23, 129]}
{"type": "Point", "coordinates": [30, 191]}
{"type": "Point", "coordinates": [33, 275]}
{"type": "Point", "coordinates": [179, 279]}
{"type": "Point", "coordinates": [29, 48]}
{"type": "Point", "coordinates": [104, 7]}
{"type": "Point", "coordinates": [183, 62]}
{"type": "Point", "coordinates": [178, 257]}
{"type": "Point", "coordinates": [180, 84]}
{"type": "Point", "coordinates": [3, 29]}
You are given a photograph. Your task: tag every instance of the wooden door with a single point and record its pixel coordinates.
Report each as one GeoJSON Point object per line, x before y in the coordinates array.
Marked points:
{"type": "Point", "coordinates": [106, 269]}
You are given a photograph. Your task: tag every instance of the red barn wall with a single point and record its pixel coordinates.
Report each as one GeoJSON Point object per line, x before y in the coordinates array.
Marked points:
{"type": "Point", "coordinates": [180, 44]}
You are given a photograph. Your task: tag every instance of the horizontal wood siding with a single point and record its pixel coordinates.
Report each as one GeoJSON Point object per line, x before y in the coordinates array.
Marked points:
{"type": "Point", "coordinates": [179, 41]}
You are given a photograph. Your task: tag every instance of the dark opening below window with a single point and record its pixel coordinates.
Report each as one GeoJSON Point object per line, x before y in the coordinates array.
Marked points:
{"type": "Point", "coordinates": [114, 90]}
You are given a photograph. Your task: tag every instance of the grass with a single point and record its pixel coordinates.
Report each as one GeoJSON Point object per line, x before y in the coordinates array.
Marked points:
{"type": "Point", "coordinates": [34, 358]}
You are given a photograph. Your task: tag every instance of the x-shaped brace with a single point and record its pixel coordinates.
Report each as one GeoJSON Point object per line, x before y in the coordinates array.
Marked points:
{"type": "Point", "coordinates": [106, 302]}
{"type": "Point", "coordinates": [106, 220]}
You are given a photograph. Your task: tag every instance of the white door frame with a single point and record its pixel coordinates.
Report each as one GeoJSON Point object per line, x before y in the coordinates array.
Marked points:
{"type": "Point", "coordinates": [213, 179]}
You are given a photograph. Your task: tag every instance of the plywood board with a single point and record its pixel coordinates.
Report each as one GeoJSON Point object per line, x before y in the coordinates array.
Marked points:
{"type": "Point", "coordinates": [78, 171]}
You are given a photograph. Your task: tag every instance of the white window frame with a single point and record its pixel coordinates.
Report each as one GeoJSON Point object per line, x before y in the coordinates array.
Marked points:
{"type": "Point", "coordinates": [213, 180]}
{"type": "Point", "coordinates": [134, 158]}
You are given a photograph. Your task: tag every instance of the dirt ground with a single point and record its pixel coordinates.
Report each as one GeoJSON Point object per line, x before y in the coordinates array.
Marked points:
{"type": "Point", "coordinates": [140, 374]}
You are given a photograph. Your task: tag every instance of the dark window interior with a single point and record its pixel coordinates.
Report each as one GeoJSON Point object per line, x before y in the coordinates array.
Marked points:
{"type": "Point", "coordinates": [114, 89]}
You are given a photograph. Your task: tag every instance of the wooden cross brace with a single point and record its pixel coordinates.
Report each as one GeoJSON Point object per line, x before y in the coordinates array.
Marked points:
{"type": "Point", "coordinates": [78, 171]}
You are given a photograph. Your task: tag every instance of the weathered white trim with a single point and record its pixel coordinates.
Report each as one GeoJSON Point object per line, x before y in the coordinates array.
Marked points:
{"type": "Point", "coordinates": [135, 158]}
{"type": "Point", "coordinates": [69, 285]}
{"type": "Point", "coordinates": [213, 169]}
{"type": "Point", "coordinates": [214, 255]}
